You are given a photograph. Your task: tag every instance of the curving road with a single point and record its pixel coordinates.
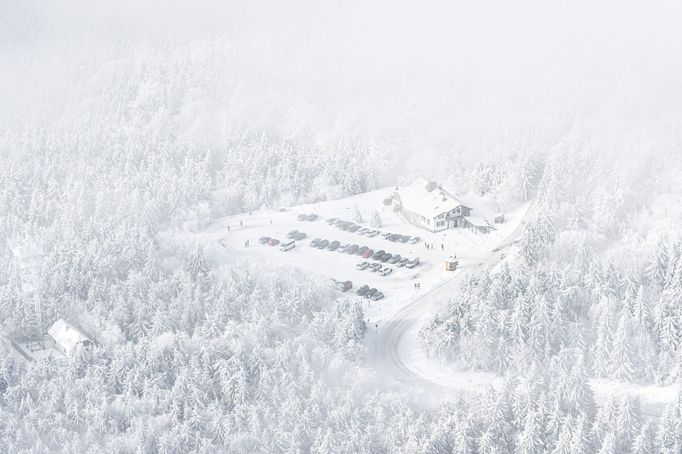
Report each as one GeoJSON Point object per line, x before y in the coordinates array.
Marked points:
{"type": "Point", "coordinates": [404, 360]}
{"type": "Point", "coordinates": [396, 342]}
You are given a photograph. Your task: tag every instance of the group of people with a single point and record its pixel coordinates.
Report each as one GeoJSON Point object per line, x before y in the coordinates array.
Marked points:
{"type": "Point", "coordinates": [429, 247]}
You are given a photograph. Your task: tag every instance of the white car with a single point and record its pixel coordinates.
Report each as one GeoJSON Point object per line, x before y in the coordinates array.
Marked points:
{"type": "Point", "coordinates": [386, 271]}
{"type": "Point", "coordinates": [362, 266]}
{"type": "Point", "coordinates": [287, 245]}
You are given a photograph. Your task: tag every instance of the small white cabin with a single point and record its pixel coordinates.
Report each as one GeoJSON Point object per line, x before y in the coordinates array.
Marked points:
{"type": "Point", "coordinates": [67, 337]}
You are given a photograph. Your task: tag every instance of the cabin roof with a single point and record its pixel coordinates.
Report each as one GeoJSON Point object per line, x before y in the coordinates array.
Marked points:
{"type": "Point", "coordinates": [428, 203]}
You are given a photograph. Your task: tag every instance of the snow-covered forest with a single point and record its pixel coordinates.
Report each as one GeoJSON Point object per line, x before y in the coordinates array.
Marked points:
{"type": "Point", "coordinates": [124, 124]}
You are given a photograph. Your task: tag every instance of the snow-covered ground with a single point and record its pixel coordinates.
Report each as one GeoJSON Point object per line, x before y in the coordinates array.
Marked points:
{"type": "Point", "coordinates": [395, 320]}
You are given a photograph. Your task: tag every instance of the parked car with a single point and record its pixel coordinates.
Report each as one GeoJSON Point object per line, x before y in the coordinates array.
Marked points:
{"type": "Point", "coordinates": [300, 236]}
{"type": "Point", "coordinates": [362, 266]}
{"type": "Point", "coordinates": [395, 259]}
{"type": "Point", "coordinates": [312, 217]}
{"type": "Point", "coordinates": [372, 233]}
{"type": "Point", "coordinates": [287, 245]}
{"type": "Point", "coordinates": [353, 228]}
{"type": "Point", "coordinates": [394, 237]}
{"type": "Point", "coordinates": [334, 245]}
{"type": "Point", "coordinates": [413, 240]}
{"type": "Point", "coordinates": [307, 217]}
{"type": "Point", "coordinates": [330, 221]}
{"type": "Point", "coordinates": [338, 222]}
{"type": "Point", "coordinates": [386, 257]}
{"type": "Point", "coordinates": [315, 242]}
{"type": "Point", "coordinates": [273, 242]}
{"type": "Point", "coordinates": [323, 244]}
{"type": "Point", "coordinates": [371, 292]}
{"type": "Point", "coordinates": [404, 238]}
{"type": "Point", "coordinates": [302, 217]}
{"type": "Point", "coordinates": [362, 291]}
{"type": "Point", "coordinates": [412, 263]}
{"type": "Point", "coordinates": [377, 296]}
{"type": "Point", "coordinates": [344, 286]}
{"type": "Point", "coordinates": [361, 250]}
{"type": "Point", "coordinates": [264, 239]}
{"type": "Point", "coordinates": [378, 254]}
{"type": "Point", "coordinates": [367, 254]}
{"type": "Point", "coordinates": [386, 271]}
{"type": "Point", "coordinates": [374, 267]}
{"type": "Point", "coordinates": [344, 225]}
{"type": "Point", "coordinates": [401, 263]}
{"type": "Point", "coordinates": [362, 231]}
{"type": "Point", "coordinates": [342, 248]}
{"type": "Point", "coordinates": [387, 235]}
{"type": "Point", "coordinates": [352, 249]}
{"type": "Point", "coordinates": [291, 235]}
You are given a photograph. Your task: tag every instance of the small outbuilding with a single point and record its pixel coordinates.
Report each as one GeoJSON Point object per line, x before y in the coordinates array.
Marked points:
{"type": "Point", "coordinates": [66, 337]}
{"type": "Point", "coordinates": [451, 264]}
{"type": "Point", "coordinates": [499, 218]}
{"type": "Point", "coordinates": [477, 224]}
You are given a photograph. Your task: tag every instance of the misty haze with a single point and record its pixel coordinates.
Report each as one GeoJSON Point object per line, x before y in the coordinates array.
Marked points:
{"type": "Point", "coordinates": [340, 227]}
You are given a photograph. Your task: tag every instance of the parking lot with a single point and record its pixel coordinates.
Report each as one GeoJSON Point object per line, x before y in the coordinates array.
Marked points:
{"type": "Point", "coordinates": [351, 252]}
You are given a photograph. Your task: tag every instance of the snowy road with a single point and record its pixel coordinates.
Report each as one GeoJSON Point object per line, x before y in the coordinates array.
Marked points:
{"type": "Point", "coordinates": [396, 344]}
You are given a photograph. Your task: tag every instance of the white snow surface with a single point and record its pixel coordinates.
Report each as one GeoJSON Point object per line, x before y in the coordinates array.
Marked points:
{"type": "Point", "coordinates": [394, 321]}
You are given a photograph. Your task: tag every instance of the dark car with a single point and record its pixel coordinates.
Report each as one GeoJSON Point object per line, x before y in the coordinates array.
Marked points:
{"type": "Point", "coordinates": [344, 286]}
{"type": "Point", "coordinates": [361, 250]}
{"type": "Point", "coordinates": [273, 242]}
{"type": "Point", "coordinates": [387, 235]}
{"type": "Point", "coordinates": [302, 217]}
{"type": "Point", "coordinates": [300, 236]}
{"type": "Point", "coordinates": [386, 257]}
{"type": "Point", "coordinates": [371, 292]}
{"type": "Point", "coordinates": [353, 228]}
{"type": "Point", "coordinates": [362, 291]}
{"type": "Point", "coordinates": [322, 244]}
{"type": "Point", "coordinates": [352, 249]}
{"type": "Point", "coordinates": [404, 238]}
{"type": "Point", "coordinates": [395, 259]}
{"type": "Point", "coordinates": [330, 221]}
{"type": "Point", "coordinates": [334, 245]}
{"type": "Point", "coordinates": [367, 254]}
{"type": "Point", "coordinates": [377, 255]}
{"type": "Point", "coordinates": [292, 235]}
{"type": "Point", "coordinates": [395, 237]}
{"type": "Point", "coordinates": [315, 242]}
{"type": "Point", "coordinates": [264, 239]}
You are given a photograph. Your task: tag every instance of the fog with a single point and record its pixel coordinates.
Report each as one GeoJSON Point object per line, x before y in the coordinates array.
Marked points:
{"type": "Point", "coordinates": [431, 77]}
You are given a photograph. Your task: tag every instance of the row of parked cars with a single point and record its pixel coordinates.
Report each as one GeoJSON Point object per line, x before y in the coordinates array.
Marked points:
{"type": "Point", "coordinates": [374, 268]}
{"type": "Point", "coordinates": [307, 217]}
{"type": "Point", "coordinates": [355, 228]}
{"type": "Point", "coordinates": [365, 290]}
{"type": "Point", "coordinates": [352, 249]}
{"type": "Point", "coordinates": [366, 253]}
{"type": "Point", "coordinates": [352, 227]}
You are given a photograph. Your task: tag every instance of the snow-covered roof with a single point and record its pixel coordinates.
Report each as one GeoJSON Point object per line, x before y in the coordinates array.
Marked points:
{"type": "Point", "coordinates": [428, 203]}
{"type": "Point", "coordinates": [477, 221]}
{"type": "Point", "coordinates": [66, 335]}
